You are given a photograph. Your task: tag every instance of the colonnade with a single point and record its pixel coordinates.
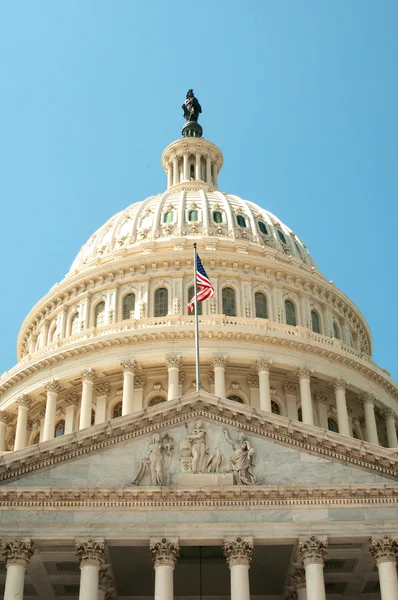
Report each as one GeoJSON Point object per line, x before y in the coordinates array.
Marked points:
{"type": "Point", "coordinates": [293, 392]}
{"type": "Point", "coordinates": [306, 577]}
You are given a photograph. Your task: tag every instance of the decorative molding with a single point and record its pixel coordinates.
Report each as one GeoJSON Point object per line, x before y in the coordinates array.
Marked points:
{"type": "Point", "coordinates": [24, 400]}
{"type": "Point", "coordinates": [181, 378]}
{"type": "Point", "coordinates": [238, 551]}
{"type": "Point", "coordinates": [4, 417]}
{"type": "Point", "coordinates": [52, 386]}
{"type": "Point", "coordinates": [297, 577]}
{"type": "Point", "coordinates": [304, 372]}
{"type": "Point", "coordinates": [367, 398]}
{"type": "Point", "coordinates": [383, 549]}
{"type": "Point", "coordinates": [321, 398]}
{"type": "Point", "coordinates": [18, 551]}
{"type": "Point", "coordinates": [71, 399]}
{"type": "Point", "coordinates": [263, 364]}
{"type": "Point", "coordinates": [129, 365]}
{"type": "Point", "coordinates": [219, 361]}
{"type": "Point", "coordinates": [90, 552]}
{"type": "Point", "coordinates": [313, 550]}
{"type": "Point", "coordinates": [139, 381]}
{"type": "Point", "coordinates": [339, 384]}
{"type": "Point", "coordinates": [173, 361]}
{"type": "Point", "coordinates": [164, 551]}
{"type": "Point", "coordinates": [60, 412]}
{"type": "Point", "coordinates": [253, 381]}
{"type": "Point", "coordinates": [88, 374]}
{"type": "Point", "coordinates": [105, 579]}
{"type": "Point", "coordinates": [289, 387]}
{"type": "Point", "coordinates": [102, 389]}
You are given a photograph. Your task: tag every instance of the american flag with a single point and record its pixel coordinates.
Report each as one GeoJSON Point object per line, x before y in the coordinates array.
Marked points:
{"type": "Point", "coordinates": [205, 288]}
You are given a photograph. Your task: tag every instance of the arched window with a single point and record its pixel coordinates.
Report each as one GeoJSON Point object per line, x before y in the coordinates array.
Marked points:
{"type": "Point", "coordinates": [161, 302]}
{"type": "Point", "coordinates": [260, 302]}
{"type": "Point", "coordinates": [193, 216]}
{"type": "Point", "coordinates": [99, 314]}
{"type": "Point", "coordinates": [192, 172]}
{"type": "Point", "coordinates": [74, 324]}
{"type": "Point", "coordinates": [332, 425]}
{"type": "Point", "coordinates": [53, 332]}
{"type": "Point", "coordinates": [229, 302]}
{"type": "Point", "coordinates": [262, 227]}
{"type": "Point", "coordinates": [156, 400]}
{"type": "Point", "coordinates": [168, 217]}
{"type": "Point", "coordinates": [128, 306]}
{"type": "Point", "coordinates": [281, 236]}
{"type": "Point", "coordinates": [92, 417]}
{"type": "Point", "coordinates": [191, 293]}
{"type": "Point", "coordinates": [300, 414]}
{"type": "Point", "coordinates": [241, 221]}
{"type": "Point", "coordinates": [235, 398]}
{"type": "Point", "coordinates": [117, 410]}
{"type": "Point", "coordinates": [297, 247]}
{"type": "Point", "coordinates": [217, 216]}
{"type": "Point", "coordinates": [336, 331]}
{"type": "Point", "coordinates": [59, 428]}
{"type": "Point", "coordinates": [290, 313]}
{"type": "Point", "coordinates": [275, 408]}
{"type": "Point", "coordinates": [315, 322]}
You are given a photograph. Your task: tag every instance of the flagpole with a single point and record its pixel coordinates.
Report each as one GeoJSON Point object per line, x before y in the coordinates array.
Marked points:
{"type": "Point", "coordinates": [196, 318]}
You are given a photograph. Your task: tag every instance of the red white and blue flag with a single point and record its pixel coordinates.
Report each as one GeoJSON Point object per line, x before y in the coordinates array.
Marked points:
{"type": "Point", "coordinates": [205, 288]}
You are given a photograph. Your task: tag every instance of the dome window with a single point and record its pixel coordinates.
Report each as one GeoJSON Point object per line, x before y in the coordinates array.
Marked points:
{"type": "Point", "coordinates": [282, 236]}
{"type": "Point", "coordinates": [128, 307]}
{"type": "Point", "coordinates": [191, 293]}
{"type": "Point", "coordinates": [229, 302]}
{"type": "Point", "coordinates": [217, 216]}
{"type": "Point", "coordinates": [241, 221]}
{"type": "Point", "coordinates": [161, 302]}
{"type": "Point", "coordinates": [192, 172]}
{"type": "Point", "coordinates": [156, 400]}
{"type": "Point", "coordinates": [297, 248]}
{"type": "Point", "coordinates": [336, 331]}
{"type": "Point", "coordinates": [260, 302]}
{"type": "Point", "coordinates": [59, 429]}
{"type": "Point", "coordinates": [290, 311]}
{"type": "Point", "coordinates": [193, 216]}
{"type": "Point", "coordinates": [100, 314]}
{"type": "Point", "coordinates": [262, 227]}
{"type": "Point", "coordinates": [235, 398]}
{"type": "Point", "coordinates": [316, 327]}
{"type": "Point", "coordinates": [168, 217]}
{"type": "Point", "coordinates": [92, 422]}
{"type": "Point", "coordinates": [275, 408]}
{"type": "Point", "coordinates": [117, 410]}
{"type": "Point", "coordinates": [332, 425]}
{"type": "Point", "coordinates": [74, 324]}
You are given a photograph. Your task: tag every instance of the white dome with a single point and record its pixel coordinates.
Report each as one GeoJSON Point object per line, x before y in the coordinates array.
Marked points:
{"type": "Point", "coordinates": [181, 212]}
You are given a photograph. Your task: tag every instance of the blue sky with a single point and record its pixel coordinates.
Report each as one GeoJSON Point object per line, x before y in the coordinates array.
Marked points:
{"type": "Point", "coordinates": [301, 97]}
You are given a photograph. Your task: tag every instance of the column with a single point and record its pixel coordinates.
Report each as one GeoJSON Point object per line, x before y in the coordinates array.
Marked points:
{"type": "Point", "coordinates": [263, 367]}
{"type": "Point", "coordinates": [215, 175]}
{"type": "Point", "coordinates": [384, 551]}
{"type": "Point", "coordinates": [341, 405]}
{"type": "Point", "coordinates": [169, 176]}
{"type": "Point", "coordinates": [3, 430]}
{"type": "Point", "coordinates": [219, 362]}
{"type": "Point", "coordinates": [304, 374]}
{"type": "Point", "coordinates": [86, 404]}
{"type": "Point", "coordinates": [173, 362]}
{"type": "Point", "coordinates": [101, 390]}
{"type": "Point", "coordinates": [91, 555]}
{"type": "Point", "coordinates": [208, 169]}
{"type": "Point", "coordinates": [238, 553]}
{"type": "Point", "coordinates": [185, 167]}
{"type": "Point", "coordinates": [323, 405]}
{"type": "Point", "coordinates": [129, 367]}
{"type": "Point", "coordinates": [105, 582]}
{"type": "Point", "coordinates": [312, 553]}
{"type": "Point", "coordinates": [290, 390]}
{"type": "Point", "coordinates": [17, 553]}
{"type": "Point", "coordinates": [389, 416]}
{"type": "Point", "coordinates": [52, 388]}
{"type": "Point", "coordinates": [197, 167]}
{"type": "Point", "coordinates": [370, 419]}
{"type": "Point", "coordinates": [175, 171]}
{"type": "Point", "coordinates": [23, 402]}
{"type": "Point", "coordinates": [298, 581]}
{"type": "Point", "coordinates": [164, 554]}
{"type": "Point", "coordinates": [70, 412]}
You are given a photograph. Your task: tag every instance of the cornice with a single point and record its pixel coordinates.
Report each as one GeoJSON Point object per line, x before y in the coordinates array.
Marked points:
{"type": "Point", "coordinates": [200, 405]}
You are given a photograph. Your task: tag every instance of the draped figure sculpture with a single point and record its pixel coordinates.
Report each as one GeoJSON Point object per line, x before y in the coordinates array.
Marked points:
{"type": "Point", "coordinates": [242, 460]}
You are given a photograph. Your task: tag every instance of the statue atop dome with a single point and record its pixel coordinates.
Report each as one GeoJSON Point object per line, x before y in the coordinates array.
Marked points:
{"type": "Point", "coordinates": [191, 110]}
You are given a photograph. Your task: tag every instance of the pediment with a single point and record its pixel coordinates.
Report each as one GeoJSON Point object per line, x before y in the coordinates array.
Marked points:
{"type": "Point", "coordinates": [124, 451]}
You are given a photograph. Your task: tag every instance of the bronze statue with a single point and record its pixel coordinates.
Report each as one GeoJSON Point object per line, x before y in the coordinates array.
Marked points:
{"type": "Point", "coordinates": [191, 107]}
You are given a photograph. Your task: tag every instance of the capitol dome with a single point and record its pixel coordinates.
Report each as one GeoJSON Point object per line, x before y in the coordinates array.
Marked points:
{"type": "Point", "coordinates": [117, 443]}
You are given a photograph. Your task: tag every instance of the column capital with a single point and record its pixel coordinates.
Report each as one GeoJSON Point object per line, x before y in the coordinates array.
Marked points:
{"type": "Point", "coordinates": [18, 551]}
{"type": "Point", "coordinates": [289, 387]}
{"type": "Point", "coordinates": [139, 381]}
{"type": "Point", "coordinates": [339, 384]}
{"type": "Point", "coordinates": [263, 364]}
{"type": "Point", "coordinates": [297, 576]}
{"type": "Point", "coordinates": [88, 374]}
{"type": "Point", "coordinates": [388, 412]}
{"type": "Point", "coordinates": [102, 389]}
{"type": "Point", "coordinates": [164, 551]}
{"type": "Point", "coordinates": [129, 365]}
{"type": "Point", "coordinates": [238, 551]}
{"type": "Point", "coordinates": [383, 549]}
{"type": "Point", "coordinates": [219, 361]}
{"type": "Point", "coordinates": [367, 398]}
{"type": "Point", "coordinates": [321, 397]}
{"type": "Point", "coordinates": [90, 552]}
{"type": "Point", "coordinates": [24, 400]}
{"type": "Point", "coordinates": [312, 550]}
{"type": "Point", "coordinates": [4, 417]}
{"type": "Point", "coordinates": [52, 386]}
{"type": "Point", "coordinates": [71, 399]}
{"type": "Point", "coordinates": [304, 372]}
{"type": "Point", "coordinates": [173, 361]}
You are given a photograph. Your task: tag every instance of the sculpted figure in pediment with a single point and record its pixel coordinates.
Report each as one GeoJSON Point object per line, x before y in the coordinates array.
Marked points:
{"type": "Point", "coordinates": [242, 459]}
{"type": "Point", "coordinates": [160, 451]}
